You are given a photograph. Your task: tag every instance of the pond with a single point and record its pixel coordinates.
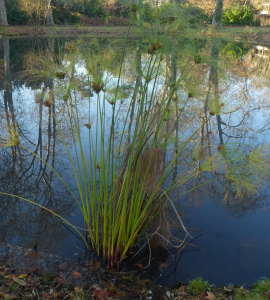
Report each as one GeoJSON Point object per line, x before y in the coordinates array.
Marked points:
{"type": "Point", "coordinates": [230, 233]}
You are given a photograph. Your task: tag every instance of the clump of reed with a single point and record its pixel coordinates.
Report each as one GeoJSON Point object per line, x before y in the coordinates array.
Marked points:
{"type": "Point", "coordinates": [122, 174]}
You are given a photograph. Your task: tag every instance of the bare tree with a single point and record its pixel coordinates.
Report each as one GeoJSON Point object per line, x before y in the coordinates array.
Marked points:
{"type": "Point", "coordinates": [3, 13]}
{"type": "Point", "coordinates": [49, 15]}
{"type": "Point", "coordinates": [217, 17]}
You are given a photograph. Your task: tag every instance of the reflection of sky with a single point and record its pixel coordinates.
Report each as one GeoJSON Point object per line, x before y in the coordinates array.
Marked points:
{"type": "Point", "coordinates": [226, 238]}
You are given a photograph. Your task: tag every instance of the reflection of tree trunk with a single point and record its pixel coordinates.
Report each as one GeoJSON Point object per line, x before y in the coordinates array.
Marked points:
{"type": "Point", "coordinates": [138, 84]}
{"type": "Point", "coordinates": [49, 15]}
{"type": "Point", "coordinates": [3, 13]}
{"type": "Point", "coordinates": [214, 79]}
{"type": "Point", "coordinates": [217, 17]}
{"type": "Point", "coordinates": [8, 102]}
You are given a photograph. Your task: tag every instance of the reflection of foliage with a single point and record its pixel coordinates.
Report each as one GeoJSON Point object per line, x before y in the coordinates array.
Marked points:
{"type": "Point", "coordinates": [234, 50]}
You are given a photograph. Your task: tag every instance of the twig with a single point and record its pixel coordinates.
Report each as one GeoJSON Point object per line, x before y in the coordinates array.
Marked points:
{"type": "Point", "coordinates": [177, 214]}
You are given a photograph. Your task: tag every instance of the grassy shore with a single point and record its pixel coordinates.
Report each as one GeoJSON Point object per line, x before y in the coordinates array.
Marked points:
{"type": "Point", "coordinates": [57, 31]}
{"type": "Point", "coordinates": [238, 33]}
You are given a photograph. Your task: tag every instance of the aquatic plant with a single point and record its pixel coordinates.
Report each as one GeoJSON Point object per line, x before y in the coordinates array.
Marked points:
{"type": "Point", "coordinates": [122, 175]}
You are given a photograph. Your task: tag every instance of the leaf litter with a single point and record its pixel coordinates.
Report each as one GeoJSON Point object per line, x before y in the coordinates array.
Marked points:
{"type": "Point", "coordinates": [49, 276]}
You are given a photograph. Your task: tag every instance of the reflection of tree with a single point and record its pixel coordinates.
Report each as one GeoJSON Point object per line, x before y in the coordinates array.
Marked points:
{"type": "Point", "coordinates": [221, 128]}
{"type": "Point", "coordinates": [26, 176]}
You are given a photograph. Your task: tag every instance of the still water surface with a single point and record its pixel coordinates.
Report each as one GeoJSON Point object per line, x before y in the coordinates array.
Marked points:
{"type": "Point", "coordinates": [236, 232]}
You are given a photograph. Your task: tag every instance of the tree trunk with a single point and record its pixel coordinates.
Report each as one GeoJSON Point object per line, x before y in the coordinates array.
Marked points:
{"type": "Point", "coordinates": [3, 13]}
{"type": "Point", "coordinates": [217, 17]}
{"type": "Point", "coordinates": [49, 15]}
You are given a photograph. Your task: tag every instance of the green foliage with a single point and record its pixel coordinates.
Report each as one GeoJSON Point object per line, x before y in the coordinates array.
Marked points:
{"type": "Point", "coordinates": [120, 9]}
{"type": "Point", "coordinates": [14, 15]}
{"type": "Point", "coordinates": [259, 291]}
{"type": "Point", "coordinates": [168, 13]}
{"type": "Point", "coordinates": [90, 8]}
{"type": "Point", "coordinates": [198, 286]}
{"type": "Point", "coordinates": [239, 15]}
{"type": "Point", "coordinates": [196, 14]}
{"type": "Point", "coordinates": [64, 16]}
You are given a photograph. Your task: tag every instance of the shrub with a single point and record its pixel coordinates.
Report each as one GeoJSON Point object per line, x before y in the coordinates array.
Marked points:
{"type": "Point", "coordinates": [239, 15]}
{"type": "Point", "coordinates": [167, 13]}
{"type": "Point", "coordinates": [91, 8]}
{"type": "Point", "coordinates": [196, 14]}
{"type": "Point", "coordinates": [119, 9]}
{"type": "Point", "coordinates": [14, 15]}
{"type": "Point", "coordinates": [63, 16]}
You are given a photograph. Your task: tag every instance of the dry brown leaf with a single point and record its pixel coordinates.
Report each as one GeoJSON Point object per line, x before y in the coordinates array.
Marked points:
{"type": "Point", "coordinates": [10, 296]}
{"type": "Point", "coordinates": [201, 295]}
{"type": "Point", "coordinates": [55, 295]}
{"type": "Point", "coordinates": [46, 296]}
{"type": "Point", "coordinates": [139, 265]}
{"type": "Point", "coordinates": [182, 288]}
{"type": "Point", "coordinates": [121, 294]}
{"type": "Point", "coordinates": [210, 296]}
{"type": "Point", "coordinates": [96, 292]}
{"type": "Point", "coordinates": [19, 281]}
{"type": "Point", "coordinates": [76, 274]}
{"type": "Point", "coordinates": [3, 273]}
{"type": "Point", "coordinates": [103, 295]}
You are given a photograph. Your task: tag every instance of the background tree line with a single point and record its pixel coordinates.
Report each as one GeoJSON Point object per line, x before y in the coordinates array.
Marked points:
{"type": "Point", "coordinates": [39, 12]}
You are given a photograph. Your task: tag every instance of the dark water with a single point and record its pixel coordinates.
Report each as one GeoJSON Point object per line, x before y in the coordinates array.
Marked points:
{"type": "Point", "coordinates": [234, 246]}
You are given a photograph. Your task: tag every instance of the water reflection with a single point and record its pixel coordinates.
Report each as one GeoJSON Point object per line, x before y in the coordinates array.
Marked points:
{"type": "Point", "coordinates": [231, 79]}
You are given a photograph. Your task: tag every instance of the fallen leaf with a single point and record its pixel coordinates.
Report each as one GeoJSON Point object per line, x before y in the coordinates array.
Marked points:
{"type": "Point", "coordinates": [76, 274]}
{"type": "Point", "coordinates": [55, 295]}
{"type": "Point", "coordinates": [46, 295]}
{"type": "Point", "coordinates": [103, 295]}
{"type": "Point", "coordinates": [139, 265]}
{"type": "Point", "coordinates": [110, 287]}
{"type": "Point", "coordinates": [144, 281]}
{"type": "Point", "coordinates": [96, 292]}
{"type": "Point", "coordinates": [182, 288]}
{"type": "Point", "coordinates": [10, 296]}
{"type": "Point", "coordinates": [125, 277]}
{"type": "Point", "coordinates": [19, 281]}
{"type": "Point", "coordinates": [57, 279]}
{"type": "Point", "coordinates": [22, 276]}
{"type": "Point", "coordinates": [3, 273]}
{"type": "Point", "coordinates": [121, 294]}
{"type": "Point", "coordinates": [210, 296]}
{"type": "Point", "coordinates": [9, 276]}
{"type": "Point", "coordinates": [201, 295]}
